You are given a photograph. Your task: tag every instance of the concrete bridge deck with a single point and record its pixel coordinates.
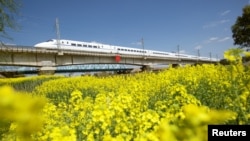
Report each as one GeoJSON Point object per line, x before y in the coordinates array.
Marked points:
{"type": "Point", "coordinates": [30, 56]}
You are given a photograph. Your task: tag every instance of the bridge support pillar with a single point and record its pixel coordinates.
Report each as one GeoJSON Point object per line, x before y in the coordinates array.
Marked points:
{"type": "Point", "coordinates": [47, 71]}
{"type": "Point", "coordinates": [175, 65]}
{"type": "Point", "coordinates": [47, 68]}
{"type": "Point", "coordinates": [146, 68]}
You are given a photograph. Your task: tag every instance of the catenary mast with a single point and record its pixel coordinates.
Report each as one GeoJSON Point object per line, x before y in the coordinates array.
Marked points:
{"type": "Point", "coordinates": [60, 52]}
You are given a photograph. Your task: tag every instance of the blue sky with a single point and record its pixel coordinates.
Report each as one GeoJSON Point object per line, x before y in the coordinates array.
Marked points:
{"type": "Point", "coordinates": [163, 24]}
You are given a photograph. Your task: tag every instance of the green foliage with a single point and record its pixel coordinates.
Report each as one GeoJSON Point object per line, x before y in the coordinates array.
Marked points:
{"type": "Point", "coordinates": [241, 28]}
{"type": "Point", "coordinates": [26, 84]}
{"type": "Point", "coordinates": [8, 9]}
{"type": "Point", "coordinates": [20, 114]}
{"type": "Point", "coordinates": [176, 104]}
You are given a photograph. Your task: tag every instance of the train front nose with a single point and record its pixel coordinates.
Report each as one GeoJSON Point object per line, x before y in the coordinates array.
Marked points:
{"type": "Point", "coordinates": [39, 45]}
{"type": "Point", "coordinates": [43, 44]}
{"type": "Point", "coordinates": [48, 44]}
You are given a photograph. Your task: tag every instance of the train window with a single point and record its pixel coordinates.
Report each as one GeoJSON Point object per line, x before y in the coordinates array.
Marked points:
{"type": "Point", "coordinates": [62, 42]}
{"type": "Point", "coordinates": [122, 49]}
{"type": "Point", "coordinates": [67, 42]}
{"type": "Point", "coordinates": [89, 45]}
{"type": "Point", "coordinates": [73, 44]}
{"type": "Point", "coordinates": [125, 49]}
{"type": "Point", "coordinates": [79, 45]}
{"type": "Point", "coordinates": [95, 46]}
{"type": "Point", "coordinates": [84, 45]}
{"type": "Point", "coordinates": [119, 49]}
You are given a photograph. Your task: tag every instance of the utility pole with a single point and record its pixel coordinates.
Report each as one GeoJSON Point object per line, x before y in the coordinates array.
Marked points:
{"type": "Point", "coordinates": [142, 43]}
{"type": "Point", "coordinates": [60, 52]}
{"type": "Point", "coordinates": [210, 55]}
{"type": "Point", "coordinates": [178, 52]}
{"type": "Point", "coordinates": [198, 53]}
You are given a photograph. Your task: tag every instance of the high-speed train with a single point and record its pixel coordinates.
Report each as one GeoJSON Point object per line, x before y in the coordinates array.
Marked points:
{"type": "Point", "coordinates": [105, 48]}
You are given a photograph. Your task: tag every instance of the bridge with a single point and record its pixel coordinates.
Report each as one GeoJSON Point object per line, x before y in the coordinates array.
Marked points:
{"type": "Point", "coordinates": [15, 71]}
{"type": "Point", "coordinates": [48, 60]}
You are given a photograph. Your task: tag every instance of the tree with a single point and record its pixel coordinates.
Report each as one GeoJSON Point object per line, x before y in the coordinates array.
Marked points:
{"type": "Point", "coordinates": [8, 9]}
{"type": "Point", "coordinates": [241, 29]}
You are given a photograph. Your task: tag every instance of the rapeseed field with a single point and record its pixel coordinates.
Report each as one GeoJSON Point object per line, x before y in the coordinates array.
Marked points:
{"type": "Point", "coordinates": [173, 105]}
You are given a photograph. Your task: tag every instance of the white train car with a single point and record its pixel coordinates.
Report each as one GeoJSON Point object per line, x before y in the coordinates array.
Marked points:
{"type": "Point", "coordinates": [132, 51]}
{"type": "Point", "coordinates": [104, 48]}
{"type": "Point", "coordinates": [76, 45]}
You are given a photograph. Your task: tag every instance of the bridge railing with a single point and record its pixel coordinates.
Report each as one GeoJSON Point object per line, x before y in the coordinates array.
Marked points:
{"type": "Point", "coordinates": [29, 49]}
{"type": "Point", "coordinates": [8, 48]}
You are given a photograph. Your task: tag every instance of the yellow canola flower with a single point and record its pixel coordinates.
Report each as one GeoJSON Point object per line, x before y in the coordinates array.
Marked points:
{"type": "Point", "coordinates": [166, 132]}
{"type": "Point", "coordinates": [233, 54]}
{"type": "Point", "coordinates": [196, 115]}
{"type": "Point", "coordinates": [228, 56]}
{"type": "Point", "coordinates": [246, 53]}
{"type": "Point", "coordinates": [22, 110]}
{"type": "Point", "coordinates": [132, 107]}
{"type": "Point", "coordinates": [63, 134]}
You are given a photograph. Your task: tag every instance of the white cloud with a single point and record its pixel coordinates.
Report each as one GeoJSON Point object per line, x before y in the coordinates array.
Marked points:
{"type": "Point", "coordinates": [225, 12]}
{"type": "Point", "coordinates": [215, 23]}
{"type": "Point", "coordinates": [224, 39]}
{"type": "Point", "coordinates": [223, 21]}
{"type": "Point", "coordinates": [198, 47]}
{"type": "Point", "coordinates": [213, 38]}
{"type": "Point", "coordinates": [137, 43]}
{"type": "Point", "coordinates": [216, 39]}
{"type": "Point", "coordinates": [182, 51]}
